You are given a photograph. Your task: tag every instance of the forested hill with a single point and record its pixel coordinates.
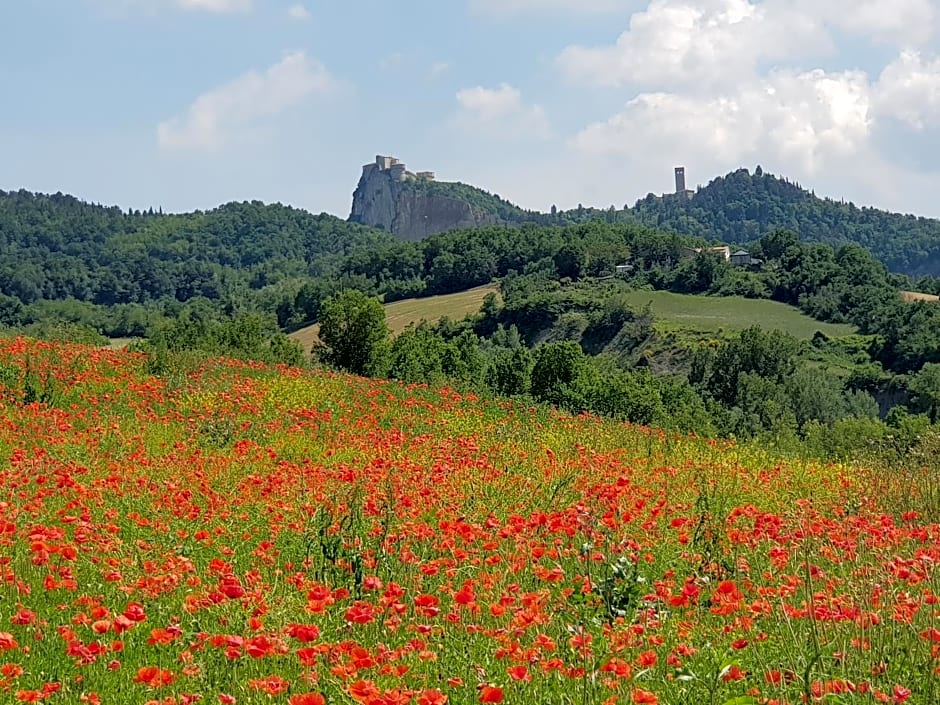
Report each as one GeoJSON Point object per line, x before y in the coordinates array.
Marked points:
{"type": "Point", "coordinates": [738, 208]}
{"type": "Point", "coordinates": [57, 247]}
{"type": "Point", "coordinates": [742, 207]}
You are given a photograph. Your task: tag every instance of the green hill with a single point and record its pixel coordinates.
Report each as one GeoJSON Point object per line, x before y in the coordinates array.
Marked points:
{"type": "Point", "coordinates": [742, 207]}
{"type": "Point", "coordinates": [710, 314]}
{"type": "Point", "coordinates": [57, 247]}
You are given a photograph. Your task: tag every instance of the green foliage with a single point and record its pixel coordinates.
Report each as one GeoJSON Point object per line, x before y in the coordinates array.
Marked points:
{"type": "Point", "coordinates": [417, 355]}
{"type": "Point", "coordinates": [352, 331]}
{"type": "Point", "coordinates": [767, 355]}
{"type": "Point", "coordinates": [510, 371]}
{"type": "Point", "coordinates": [925, 390]}
{"type": "Point", "coordinates": [57, 247]}
{"type": "Point", "coordinates": [555, 372]}
{"type": "Point", "coordinates": [743, 207]}
{"type": "Point", "coordinates": [250, 336]}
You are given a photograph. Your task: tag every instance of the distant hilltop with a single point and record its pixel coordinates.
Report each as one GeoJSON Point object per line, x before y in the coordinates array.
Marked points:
{"type": "Point", "coordinates": [395, 169]}
{"type": "Point", "coordinates": [414, 205]}
{"type": "Point", "coordinates": [737, 208]}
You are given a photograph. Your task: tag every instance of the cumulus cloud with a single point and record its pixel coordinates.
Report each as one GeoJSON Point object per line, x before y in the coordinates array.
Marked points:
{"type": "Point", "coordinates": [798, 118]}
{"type": "Point", "coordinates": [226, 114]}
{"type": "Point", "coordinates": [904, 23]}
{"type": "Point", "coordinates": [909, 90]}
{"type": "Point", "coordinates": [720, 41]}
{"type": "Point", "coordinates": [501, 113]}
{"type": "Point", "coordinates": [684, 42]}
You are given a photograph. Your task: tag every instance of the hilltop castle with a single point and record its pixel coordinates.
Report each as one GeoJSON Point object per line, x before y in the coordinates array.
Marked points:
{"type": "Point", "coordinates": [399, 201]}
{"type": "Point", "coordinates": [395, 168]}
{"type": "Point", "coordinates": [681, 190]}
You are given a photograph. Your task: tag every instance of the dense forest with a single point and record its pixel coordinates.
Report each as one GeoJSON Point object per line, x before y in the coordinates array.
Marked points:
{"type": "Point", "coordinates": [740, 208]}
{"type": "Point", "coordinates": [57, 247]}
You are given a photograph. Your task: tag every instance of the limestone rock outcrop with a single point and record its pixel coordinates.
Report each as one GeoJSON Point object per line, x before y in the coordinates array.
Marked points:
{"type": "Point", "coordinates": [408, 205]}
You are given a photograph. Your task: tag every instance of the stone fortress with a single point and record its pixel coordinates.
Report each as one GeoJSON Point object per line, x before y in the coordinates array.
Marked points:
{"type": "Point", "coordinates": [410, 205]}
{"type": "Point", "coordinates": [395, 168]}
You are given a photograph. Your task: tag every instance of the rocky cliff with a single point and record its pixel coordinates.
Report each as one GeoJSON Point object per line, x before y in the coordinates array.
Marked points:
{"type": "Point", "coordinates": [413, 207]}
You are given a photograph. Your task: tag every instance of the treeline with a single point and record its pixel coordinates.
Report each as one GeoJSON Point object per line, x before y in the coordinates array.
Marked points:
{"type": "Point", "coordinates": [839, 284]}
{"type": "Point", "coordinates": [743, 207]}
{"type": "Point", "coordinates": [57, 248]}
{"type": "Point", "coordinates": [756, 384]}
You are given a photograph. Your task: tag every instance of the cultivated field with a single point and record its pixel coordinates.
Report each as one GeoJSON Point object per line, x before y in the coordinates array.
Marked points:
{"type": "Point", "coordinates": [917, 296]}
{"type": "Point", "coordinates": [713, 313]}
{"type": "Point", "coordinates": [400, 314]}
{"type": "Point", "coordinates": [231, 534]}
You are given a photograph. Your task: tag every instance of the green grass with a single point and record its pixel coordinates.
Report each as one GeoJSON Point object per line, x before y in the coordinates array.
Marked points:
{"type": "Point", "coordinates": [708, 314]}
{"type": "Point", "coordinates": [400, 314]}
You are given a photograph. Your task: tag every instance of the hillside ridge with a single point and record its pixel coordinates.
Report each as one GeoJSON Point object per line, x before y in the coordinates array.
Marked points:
{"type": "Point", "coordinates": [737, 208]}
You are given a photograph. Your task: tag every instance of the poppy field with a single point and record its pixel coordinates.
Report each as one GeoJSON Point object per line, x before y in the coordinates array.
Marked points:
{"type": "Point", "coordinates": [235, 533]}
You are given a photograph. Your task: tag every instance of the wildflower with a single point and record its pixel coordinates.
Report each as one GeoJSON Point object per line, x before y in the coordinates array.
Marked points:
{"type": "Point", "coordinates": [307, 699]}
{"type": "Point", "coordinates": [490, 694]}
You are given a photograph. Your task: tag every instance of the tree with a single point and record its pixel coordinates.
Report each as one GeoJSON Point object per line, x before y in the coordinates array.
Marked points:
{"type": "Point", "coordinates": [925, 389]}
{"type": "Point", "coordinates": [768, 355]}
{"type": "Point", "coordinates": [510, 371]}
{"type": "Point", "coordinates": [556, 371]}
{"type": "Point", "coordinates": [352, 330]}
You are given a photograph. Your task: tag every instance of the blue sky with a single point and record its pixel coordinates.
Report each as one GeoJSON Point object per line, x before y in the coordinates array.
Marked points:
{"type": "Point", "coordinates": [186, 104]}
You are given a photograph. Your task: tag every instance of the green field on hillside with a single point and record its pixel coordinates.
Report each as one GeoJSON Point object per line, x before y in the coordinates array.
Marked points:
{"type": "Point", "coordinates": [400, 314]}
{"type": "Point", "coordinates": [711, 314]}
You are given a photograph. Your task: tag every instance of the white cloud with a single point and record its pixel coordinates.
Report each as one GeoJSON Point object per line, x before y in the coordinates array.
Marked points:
{"type": "Point", "coordinates": [708, 42]}
{"type": "Point", "coordinates": [501, 113]}
{"type": "Point", "coordinates": [901, 22]}
{"type": "Point", "coordinates": [298, 12]}
{"type": "Point", "coordinates": [685, 42]}
{"type": "Point", "coordinates": [800, 119]}
{"type": "Point", "coordinates": [909, 89]}
{"type": "Point", "coordinates": [904, 23]}
{"type": "Point", "coordinates": [227, 114]}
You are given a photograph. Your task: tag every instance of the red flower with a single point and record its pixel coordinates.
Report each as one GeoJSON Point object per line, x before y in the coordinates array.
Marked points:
{"type": "Point", "coordinates": [644, 697]}
{"type": "Point", "coordinates": [432, 697]}
{"type": "Point", "coordinates": [360, 613]}
{"type": "Point", "coordinates": [307, 699]}
{"type": "Point", "coordinates": [490, 694]}
{"type": "Point", "coordinates": [154, 677]}
{"type": "Point", "coordinates": [519, 673]}
{"type": "Point", "coordinates": [901, 694]}
{"type": "Point", "coordinates": [272, 685]}
{"type": "Point", "coordinates": [7, 642]}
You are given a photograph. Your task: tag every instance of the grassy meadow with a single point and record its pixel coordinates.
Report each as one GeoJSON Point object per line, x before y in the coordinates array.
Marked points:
{"type": "Point", "coordinates": [914, 296]}
{"type": "Point", "coordinates": [711, 314]}
{"type": "Point", "coordinates": [401, 314]}
{"type": "Point", "coordinates": [231, 533]}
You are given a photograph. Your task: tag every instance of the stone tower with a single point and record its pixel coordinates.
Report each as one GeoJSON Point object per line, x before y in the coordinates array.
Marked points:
{"type": "Point", "coordinates": [680, 180]}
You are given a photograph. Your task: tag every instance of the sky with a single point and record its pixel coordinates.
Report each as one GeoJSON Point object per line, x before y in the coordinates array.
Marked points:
{"type": "Point", "coordinates": [188, 104]}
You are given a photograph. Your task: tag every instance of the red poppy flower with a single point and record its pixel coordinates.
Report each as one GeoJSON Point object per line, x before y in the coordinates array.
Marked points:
{"type": "Point", "coordinates": [307, 699]}
{"type": "Point", "coordinates": [490, 694]}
